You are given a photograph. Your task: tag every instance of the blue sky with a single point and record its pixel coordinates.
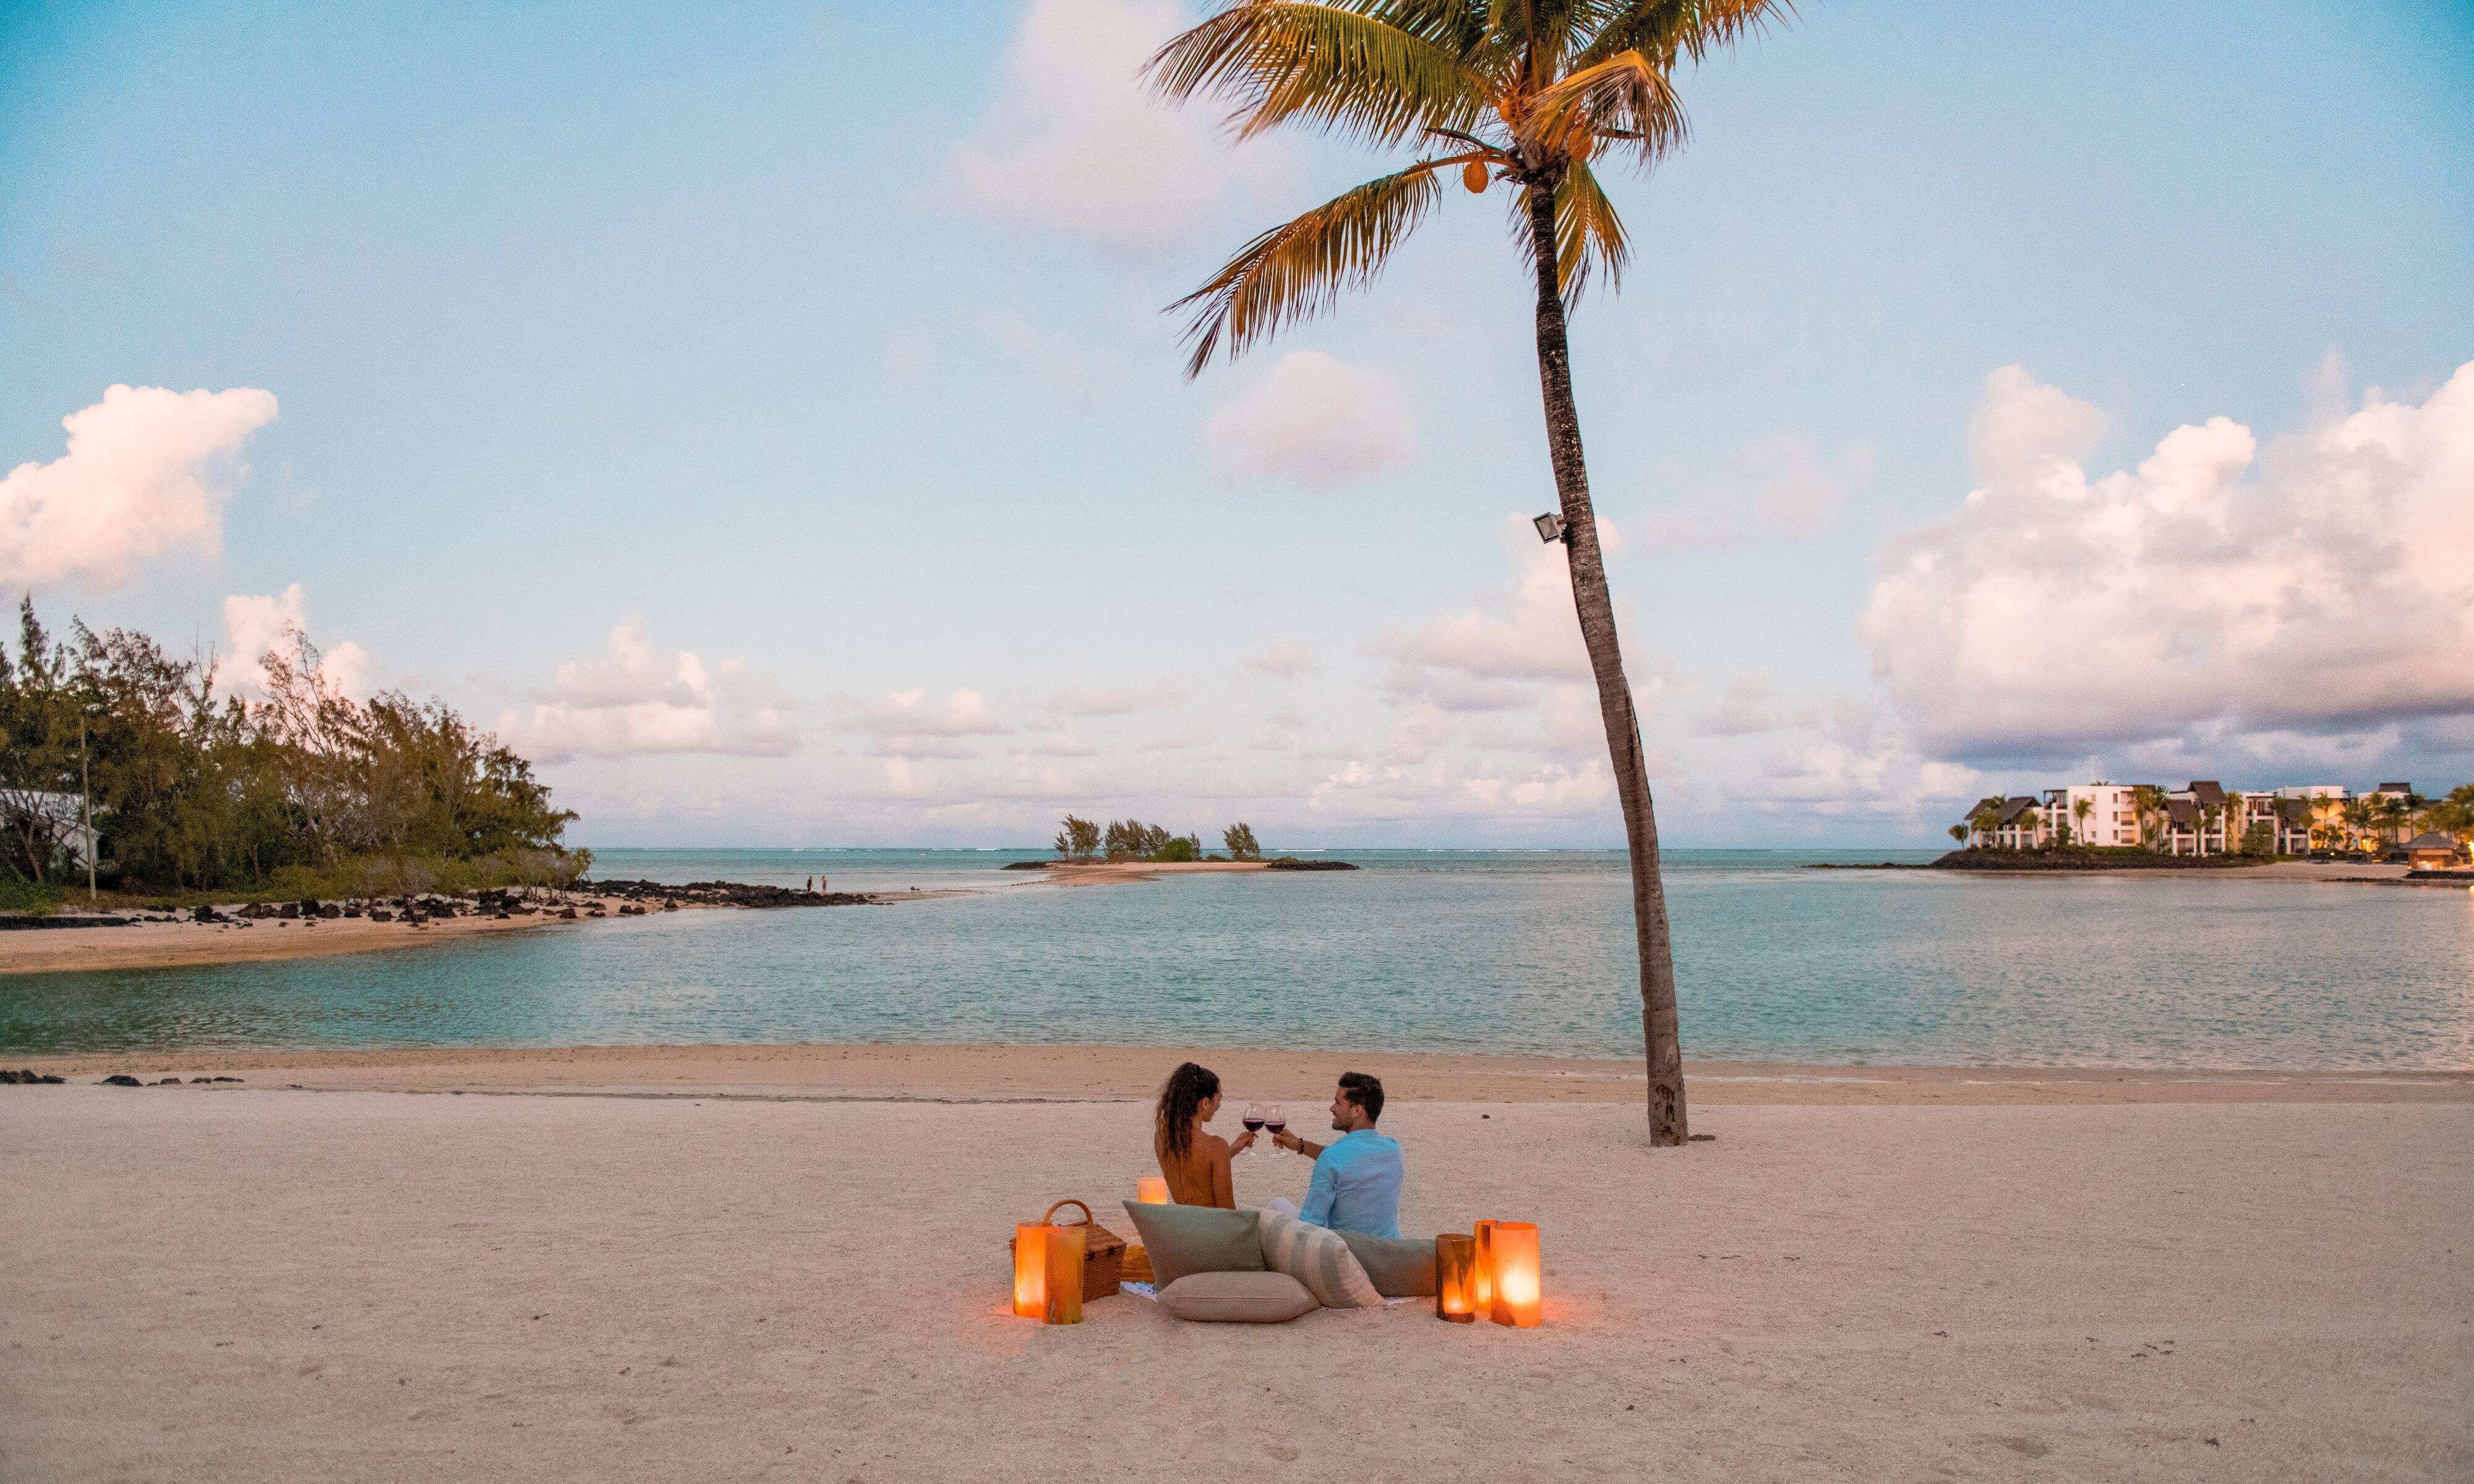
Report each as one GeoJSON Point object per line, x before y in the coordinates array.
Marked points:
{"type": "Point", "coordinates": [765, 416]}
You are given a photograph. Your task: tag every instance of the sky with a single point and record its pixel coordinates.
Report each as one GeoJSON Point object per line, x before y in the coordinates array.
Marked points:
{"type": "Point", "coordinates": [765, 417]}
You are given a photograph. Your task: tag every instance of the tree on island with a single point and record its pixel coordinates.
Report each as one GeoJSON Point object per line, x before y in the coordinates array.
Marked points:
{"type": "Point", "coordinates": [1959, 832]}
{"type": "Point", "coordinates": [1079, 839]}
{"type": "Point", "coordinates": [1525, 97]}
{"type": "Point", "coordinates": [2080, 810]}
{"type": "Point", "coordinates": [1239, 838]}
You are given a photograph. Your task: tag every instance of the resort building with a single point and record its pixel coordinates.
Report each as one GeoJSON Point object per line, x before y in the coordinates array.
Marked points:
{"type": "Point", "coordinates": [2202, 818]}
{"type": "Point", "coordinates": [2434, 851]}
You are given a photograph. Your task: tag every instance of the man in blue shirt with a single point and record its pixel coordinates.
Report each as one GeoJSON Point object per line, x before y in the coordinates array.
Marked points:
{"type": "Point", "coordinates": [1356, 1184]}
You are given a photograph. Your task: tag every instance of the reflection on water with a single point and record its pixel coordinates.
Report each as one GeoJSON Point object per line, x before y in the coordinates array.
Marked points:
{"type": "Point", "coordinates": [1457, 952]}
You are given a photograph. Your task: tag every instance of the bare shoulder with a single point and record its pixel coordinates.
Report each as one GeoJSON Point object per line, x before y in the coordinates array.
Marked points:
{"type": "Point", "coordinates": [1211, 1144]}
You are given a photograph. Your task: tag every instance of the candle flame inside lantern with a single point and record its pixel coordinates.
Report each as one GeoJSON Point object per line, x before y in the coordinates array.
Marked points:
{"type": "Point", "coordinates": [1151, 1190]}
{"type": "Point", "coordinates": [1482, 1281]}
{"type": "Point", "coordinates": [1456, 1277]}
{"type": "Point", "coordinates": [1517, 1281]}
{"type": "Point", "coordinates": [1031, 1269]}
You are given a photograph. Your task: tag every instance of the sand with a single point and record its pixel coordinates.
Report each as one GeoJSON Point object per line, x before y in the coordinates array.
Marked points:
{"type": "Point", "coordinates": [177, 944]}
{"type": "Point", "coordinates": [202, 1284]}
{"type": "Point", "coordinates": [981, 1073]}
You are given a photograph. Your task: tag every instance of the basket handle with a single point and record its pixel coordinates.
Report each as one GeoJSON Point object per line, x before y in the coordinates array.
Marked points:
{"type": "Point", "coordinates": [1049, 1219]}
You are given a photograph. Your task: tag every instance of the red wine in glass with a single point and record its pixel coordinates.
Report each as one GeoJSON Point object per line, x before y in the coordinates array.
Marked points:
{"type": "Point", "coordinates": [1253, 1119]}
{"type": "Point", "coordinates": [1278, 1122]}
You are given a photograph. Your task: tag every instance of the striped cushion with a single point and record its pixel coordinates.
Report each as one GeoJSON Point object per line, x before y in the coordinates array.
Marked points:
{"type": "Point", "coordinates": [1318, 1259]}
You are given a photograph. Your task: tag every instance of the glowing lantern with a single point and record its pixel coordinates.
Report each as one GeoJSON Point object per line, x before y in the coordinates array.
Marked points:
{"type": "Point", "coordinates": [1515, 1285]}
{"type": "Point", "coordinates": [1456, 1277]}
{"type": "Point", "coordinates": [1152, 1191]}
{"type": "Point", "coordinates": [1482, 1273]}
{"type": "Point", "coordinates": [1048, 1273]}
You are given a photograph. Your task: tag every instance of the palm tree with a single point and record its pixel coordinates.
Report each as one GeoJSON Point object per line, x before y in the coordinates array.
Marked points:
{"type": "Point", "coordinates": [2080, 810]}
{"type": "Point", "coordinates": [2358, 814]}
{"type": "Point", "coordinates": [1959, 832]}
{"type": "Point", "coordinates": [1527, 95]}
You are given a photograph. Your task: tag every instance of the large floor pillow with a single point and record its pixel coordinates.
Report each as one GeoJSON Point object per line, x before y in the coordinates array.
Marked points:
{"type": "Point", "coordinates": [1400, 1267]}
{"type": "Point", "coordinates": [1183, 1239]}
{"type": "Point", "coordinates": [1318, 1259]}
{"type": "Point", "coordinates": [1237, 1298]}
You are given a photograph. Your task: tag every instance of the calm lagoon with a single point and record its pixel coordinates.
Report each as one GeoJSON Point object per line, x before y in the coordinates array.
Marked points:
{"type": "Point", "coordinates": [1466, 950]}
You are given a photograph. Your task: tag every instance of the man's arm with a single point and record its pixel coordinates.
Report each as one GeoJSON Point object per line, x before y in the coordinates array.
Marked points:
{"type": "Point", "coordinates": [1320, 1192]}
{"type": "Point", "coordinates": [1300, 1144]}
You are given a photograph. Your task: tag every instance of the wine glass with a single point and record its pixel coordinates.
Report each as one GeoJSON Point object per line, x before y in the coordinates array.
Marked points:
{"type": "Point", "coordinates": [1278, 1122]}
{"type": "Point", "coordinates": [1253, 1119]}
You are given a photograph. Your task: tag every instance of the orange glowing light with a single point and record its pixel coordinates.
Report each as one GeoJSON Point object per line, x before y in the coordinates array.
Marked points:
{"type": "Point", "coordinates": [1517, 1286]}
{"type": "Point", "coordinates": [1482, 1279]}
{"type": "Point", "coordinates": [1456, 1277]}
{"type": "Point", "coordinates": [1048, 1273]}
{"type": "Point", "coordinates": [1151, 1190]}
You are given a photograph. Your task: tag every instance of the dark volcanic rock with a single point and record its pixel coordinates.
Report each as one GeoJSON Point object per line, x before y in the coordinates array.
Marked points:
{"type": "Point", "coordinates": [121, 1079]}
{"type": "Point", "coordinates": [65, 921]}
{"type": "Point", "coordinates": [720, 894]}
{"type": "Point", "coordinates": [1027, 865]}
{"type": "Point", "coordinates": [1292, 863]}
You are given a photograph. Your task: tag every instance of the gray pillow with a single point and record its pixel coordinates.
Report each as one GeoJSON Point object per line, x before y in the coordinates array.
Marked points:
{"type": "Point", "coordinates": [1183, 1239]}
{"type": "Point", "coordinates": [1238, 1298]}
{"type": "Point", "coordinates": [1400, 1268]}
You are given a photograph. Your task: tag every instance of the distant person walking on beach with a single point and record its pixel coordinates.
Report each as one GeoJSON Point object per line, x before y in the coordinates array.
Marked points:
{"type": "Point", "coordinates": [1357, 1177]}
{"type": "Point", "coordinates": [1194, 1159]}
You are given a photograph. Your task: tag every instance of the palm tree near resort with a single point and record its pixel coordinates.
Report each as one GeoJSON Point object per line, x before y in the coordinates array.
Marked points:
{"type": "Point", "coordinates": [2147, 806]}
{"type": "Point", "coordinates": [1959, 832]}
{"type": "Point", "coordinates": [2080, 811]}
{"type": "Point", "coordinates": [1527, 96]}
{"type": "Point", "coordinates": [2358, 814]}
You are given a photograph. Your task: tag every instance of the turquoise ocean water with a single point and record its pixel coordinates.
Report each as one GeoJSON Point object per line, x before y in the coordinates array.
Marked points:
{"type": "Point", "coordinates": [1466, 950]}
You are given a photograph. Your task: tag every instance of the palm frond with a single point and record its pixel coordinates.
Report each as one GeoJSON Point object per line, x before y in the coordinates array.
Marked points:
{"type": "Point", "coordinates": [1666, 30]}
{"type": "Point", "coordinates": [1588, 236]}
{"type": "Point", "coordinates": [1351, 71]}
{"type": "Point", "coordinates": [1625, 97]}
{"type": "Point", "coordinates": [1298, 269]}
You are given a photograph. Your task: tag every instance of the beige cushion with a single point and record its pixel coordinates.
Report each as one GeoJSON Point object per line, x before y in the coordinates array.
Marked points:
{"type": "Point", "coordinates": [1237, 1298]}
{"type": "Point", "coordinates": [1318, 1259]}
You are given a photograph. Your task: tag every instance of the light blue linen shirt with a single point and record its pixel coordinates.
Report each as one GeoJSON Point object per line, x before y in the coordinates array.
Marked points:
{"type": "Point", "coordinates": [1357, 1185]}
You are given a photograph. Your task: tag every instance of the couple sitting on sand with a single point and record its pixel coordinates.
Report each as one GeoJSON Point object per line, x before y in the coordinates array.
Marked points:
{"type": "Point", "coordinates": [1356, 1184]}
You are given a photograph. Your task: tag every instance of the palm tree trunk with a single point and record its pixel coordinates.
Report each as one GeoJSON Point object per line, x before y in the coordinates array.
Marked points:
{"type": "Point", "coordinates": [1658, 1020]}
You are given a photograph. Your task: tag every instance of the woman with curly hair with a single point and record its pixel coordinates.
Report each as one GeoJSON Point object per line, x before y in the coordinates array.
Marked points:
{"type": "Point", "coordinates": [1194, 1159]}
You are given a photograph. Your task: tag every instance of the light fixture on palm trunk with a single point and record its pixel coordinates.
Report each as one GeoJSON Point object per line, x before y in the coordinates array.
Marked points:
{"type": "Point", "coordinates": [1550, 527]}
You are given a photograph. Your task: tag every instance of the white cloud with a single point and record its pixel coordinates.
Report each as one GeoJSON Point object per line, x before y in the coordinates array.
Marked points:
{"type": "Point", "coordinates": [2328, 587]}
{"type": "Point", "coordinates": [909, 723]}
{"type": "Point", "coordinates": [1127, 701]}
{"type": "Point", "coordinates": [1494, 655]}
{"type": "Point", "coordinates": [147, 472]}
{"type": "Point", "coordinates": [258, 625]}
{"type": "Point", "coordinates": [1743, 709]}
{"type": "Point", "coordinates": [1282, 660]}
{"type": "Point", "coordinates": [1074, 141]}
{"type": "Point", "coordinates": [1315, 422]}
{"type": "Point", "coordinates": [1781, 486]}
{"type": "Point", "coordinates": [638, 700]}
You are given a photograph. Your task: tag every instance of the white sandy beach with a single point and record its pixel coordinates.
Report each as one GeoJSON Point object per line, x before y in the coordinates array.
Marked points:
{"type": "Point", "coordinates": [259, 1283]}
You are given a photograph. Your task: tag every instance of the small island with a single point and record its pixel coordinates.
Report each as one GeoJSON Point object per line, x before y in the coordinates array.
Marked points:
{"type": "Point", "coordinates": [1130, 849]}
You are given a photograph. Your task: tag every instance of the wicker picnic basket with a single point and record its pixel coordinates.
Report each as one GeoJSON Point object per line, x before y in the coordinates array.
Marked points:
{"type": "Point", "coordinates": [1104, 1252]}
